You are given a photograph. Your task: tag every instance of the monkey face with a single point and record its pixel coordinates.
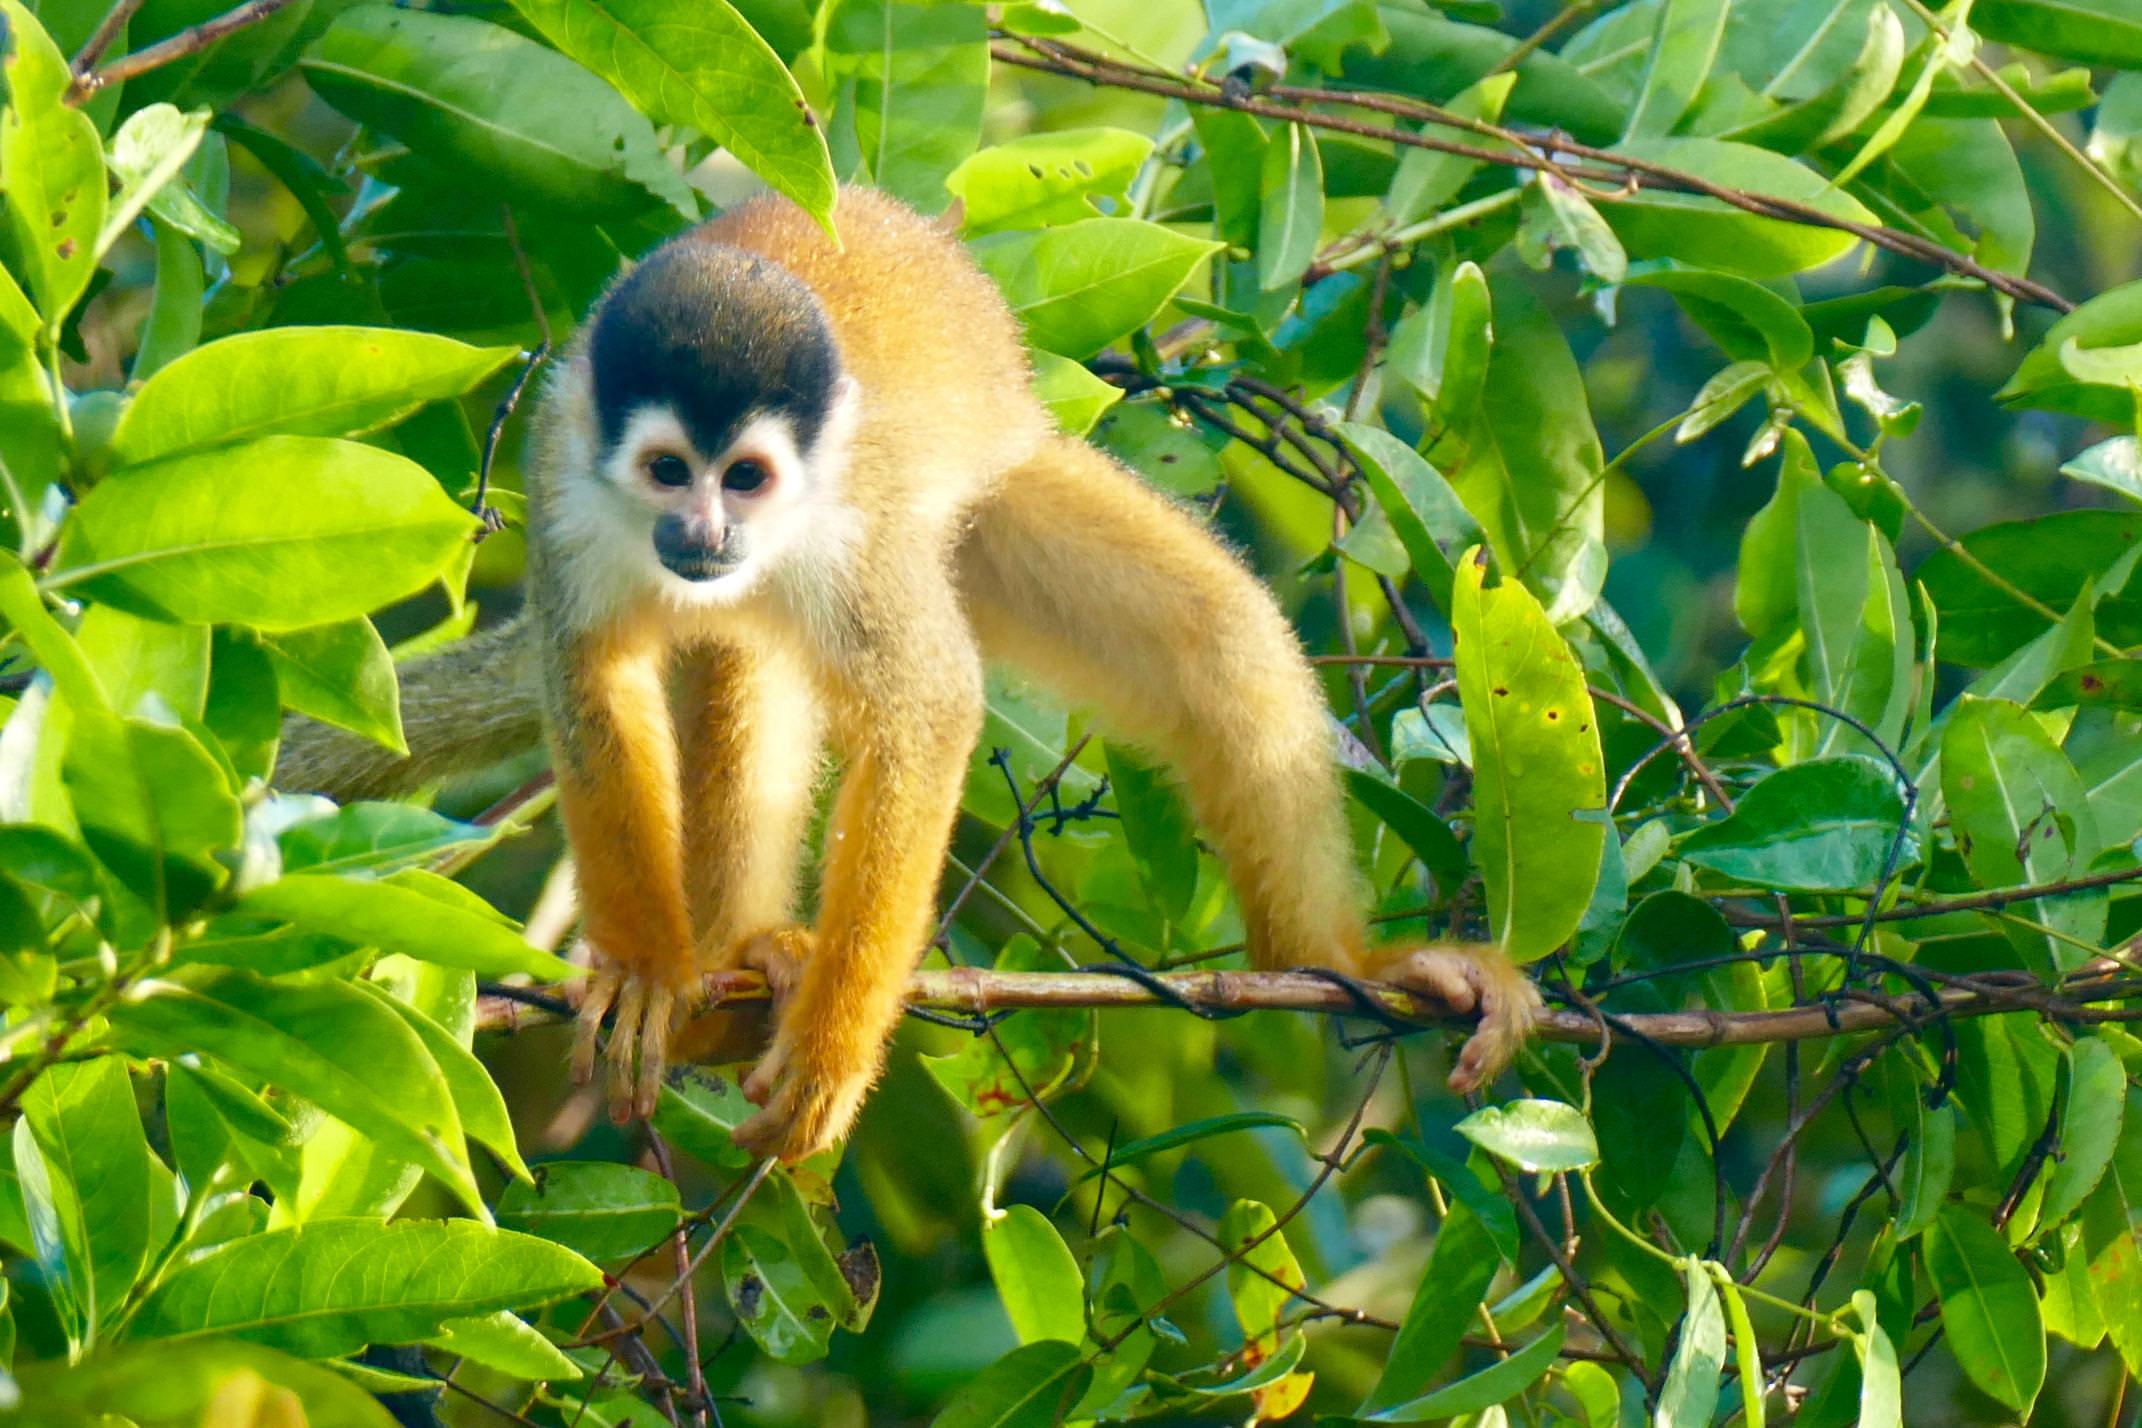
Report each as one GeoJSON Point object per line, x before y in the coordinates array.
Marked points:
{"type": "Point", "coordinates": [712, 520]}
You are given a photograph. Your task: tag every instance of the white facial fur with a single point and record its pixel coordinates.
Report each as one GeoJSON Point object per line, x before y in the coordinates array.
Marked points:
{"type": "Point", "coordinates": [795, 518]}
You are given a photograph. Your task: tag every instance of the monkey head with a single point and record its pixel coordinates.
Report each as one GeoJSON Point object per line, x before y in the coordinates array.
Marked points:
{"type": "Point", "coordinates": [721, 414]}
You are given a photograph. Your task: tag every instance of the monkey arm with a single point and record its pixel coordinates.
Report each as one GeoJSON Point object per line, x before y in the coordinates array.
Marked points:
{"type": "Point", "coordinates": [616, 761]}
{"type": "Point", "coordinates": [748, 735]}
{"type": "Point", "coordinates": [911, 709]}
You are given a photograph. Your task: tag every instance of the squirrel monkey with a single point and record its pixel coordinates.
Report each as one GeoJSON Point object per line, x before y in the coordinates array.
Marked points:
{"type": "Point", "coordinates": [784, 493]}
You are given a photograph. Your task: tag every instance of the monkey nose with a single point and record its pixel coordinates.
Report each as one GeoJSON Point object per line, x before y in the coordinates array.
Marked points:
{"type": "Point", "coordinates": [696, 549]}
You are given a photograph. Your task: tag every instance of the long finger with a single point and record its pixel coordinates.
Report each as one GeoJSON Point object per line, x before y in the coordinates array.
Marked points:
{"type": "Point", "coordinates": [594, 1006]}
{"type": "Point", "coordinates": [624, 1048]}
{"type": "Point", "coordinates": [654, 1049]}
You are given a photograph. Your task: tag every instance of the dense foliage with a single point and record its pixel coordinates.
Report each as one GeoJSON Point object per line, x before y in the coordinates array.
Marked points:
{"type": "Point", "coordinates": [1825, 853]}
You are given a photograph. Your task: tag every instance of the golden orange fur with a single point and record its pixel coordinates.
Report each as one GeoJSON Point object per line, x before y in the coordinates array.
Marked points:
{"type": "Point", "coordinates": [968, 528]}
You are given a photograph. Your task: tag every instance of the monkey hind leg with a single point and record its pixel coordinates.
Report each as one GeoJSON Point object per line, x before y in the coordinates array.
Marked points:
{"type": "Point", "coordinates": [1078, 572]}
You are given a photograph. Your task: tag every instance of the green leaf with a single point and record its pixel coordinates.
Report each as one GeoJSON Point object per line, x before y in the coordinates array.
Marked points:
{"type": "Point", "coordinates": [1824, 824]}
{"type": "Point", "coordinates": [1158, 827]}
{"type": "Point", "coordinates": [1075, 398]}
{"type": "Point", "coordinates": [1049, 1052]}
{"type": "Point", "coordinates": [1416, 825]}
{"type": "Point", "coordinates": [1656, 223]}
{"type": "Point", "coordinates": [1426, 179]}
{"type": "Point", "coordinates": [2111, 319]}
{"type": "Point", "coordinates": [1190, 1132]}
{"type": "Point", "coordinates": [439, 1004]}
{"type": "Point", "coordinates": [181, 1385]}
{"type": "Point", "coordinates": [84, 1118]}
{"type": "Point", "coordinates": [1423, 510]}
{"type": "Point", "coordinates": [698, 1113]}
{"type": "Point", "coordinates": [1747, 1357]}
{"type": "Point", "coordinates": [1988, 1307]}
{"type": "Point", "coordinates": [911, 79]}
{"type": "Point", "coordinates": [340, 674]}
{"type": "Point", "coordinates": [2092, 1118]}
{"type": "Point", "coordinates": [1748, 321]}
{"type": "Point", "coordinates": [1033, 1386]}
{"type": "Point", "coordinates": [2098, 32]}
{"type": "Point", "coordinates": [2020, 815]}
{"type": "Point", "coordinates": [508, 1343]}
{"type": "Point", "coordinates": [54, 165]}
{"type": "Point", "coordinates": [1290, 214]}
{"type": "Point", "coordinates": [334, 1045]}
{"type": "Point", "coordinates": [777, 1300]}
{"type": "Point", "coordinates": [1537, 765]}
{"type": "Point", "coordinates": [1249, 1232]}
{"type": "Point", "coordinates": [1080, 286]}
{"type": "Point", "coordinates": [295, 381]}
{"type": "Point", "coordinates": [1682, 48]}
{"type": "Point", "coordinates": [412, 914]}
{"type": "Point", "coordinates": [174, 323]}
{"type": "Point", "coordinates": [1498, 1383]}
{"type": "Point", "coordinates": [46, 638]}
{"type": "Point", "coordinates": [1519, 445]}
{"type": "Point", "coordinates": [1548, 1137]}
{"type": "Point", "coordinates": [373, 838]}
{"type": "Point", "coordinates": [2052, 560]}
{"type": "Point", "coordinates": [141, 662]}
{"type": "Point", "coordinates": [146, 154]}
{"type": "Point", "coordinates": [1035, 1275]}
{"type": "Point", "coordinates": [2112, 1239]}
{"type": "Point", "coordinates": [1446, 1303]}
{"type": "Point", "coordinates": [155, 807]}
{"type": "Point", "coordinates": [330, 1288]}
{"type": "Point", "coordinates": [283, 532]}
{"type": "Point", "coordinates": [700, 66]}
{"type": "Point", "coordinates": [59, 1242]}
{"type": "Point", "coordinates": [1037, 180]}
{"type": "Point", "coordinates": [502, 113]}
{"type": "Point", "coordinates": [603, 1211]}
{"type": "Point", "coordinates": [1881, 1380]}
{"type": "Point", "coordinates": [2115, 465]}
{"type": "Point", "coordinates": [1689, 1398]}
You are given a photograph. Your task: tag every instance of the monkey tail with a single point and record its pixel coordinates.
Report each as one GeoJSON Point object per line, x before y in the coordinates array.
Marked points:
{"type": "Point", "coordinates": [471, 704]}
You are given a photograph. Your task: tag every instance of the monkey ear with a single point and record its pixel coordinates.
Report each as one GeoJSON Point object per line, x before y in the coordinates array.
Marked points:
{"type": "Point", "coordinates": [847, 393]}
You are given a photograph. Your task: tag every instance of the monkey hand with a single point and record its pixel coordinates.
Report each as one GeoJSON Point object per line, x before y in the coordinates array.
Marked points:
{"type": "Point", "coordinates": [808, 1087]}
{"type": "Point", "coordinates": [1472, 979]}
{"type": "Point", "coordinates": [647, 1005]}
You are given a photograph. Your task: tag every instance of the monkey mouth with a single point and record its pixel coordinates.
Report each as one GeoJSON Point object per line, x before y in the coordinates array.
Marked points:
{"type": "Point", "coordinates": [700, 566]}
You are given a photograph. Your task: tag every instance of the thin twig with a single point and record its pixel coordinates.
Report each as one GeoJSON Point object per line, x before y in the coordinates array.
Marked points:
{"type": "Point", "coordinates": [186, 42]}
{"type": "Point", "coordinates": [100, 39]}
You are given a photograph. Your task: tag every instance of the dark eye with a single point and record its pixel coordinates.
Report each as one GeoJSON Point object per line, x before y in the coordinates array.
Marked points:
{"type": "Point", "coordinates": [669, 470]}
{"type": "Point", "coordinates": [745, 477]}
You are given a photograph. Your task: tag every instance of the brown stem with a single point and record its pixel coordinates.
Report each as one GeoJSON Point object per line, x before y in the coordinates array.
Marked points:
{"type": "Point", "coordinates": [179, 46]}
{"type": "Point", "coordinates": [100, 39]}
{"type": "Point", "coordinates": [978, 991]}
{"type": "Point", "coordinates": [1286, 103]}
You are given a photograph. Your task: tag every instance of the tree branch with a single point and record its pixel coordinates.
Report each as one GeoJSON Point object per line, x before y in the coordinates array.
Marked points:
{"type": "Point", "coordinates": [1287, 103]}
{"type": "Point", "coordinates": [978, 992]}
{"type": "Point", "coordinates": [186, 42]}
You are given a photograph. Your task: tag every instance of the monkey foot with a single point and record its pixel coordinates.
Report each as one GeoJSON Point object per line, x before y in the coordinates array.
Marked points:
{"type": "Point", "coordinates": [1465, 979]}
{"type": "Point", "coordinates": [807, 1091]}
{"type": "Point", "coordinates": [646, 1012]}
{"type": "Point", "coordinates": [777, 954]}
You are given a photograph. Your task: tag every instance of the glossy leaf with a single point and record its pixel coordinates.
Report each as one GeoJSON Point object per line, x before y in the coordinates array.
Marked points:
{"type": "Point", "coordinates": [1037, 180]}
{"type": "Point", "coordinates": [328, 1289]}
{"type": "Point", "coordinates": [524, 122]}
{"type": "Point", "coordinates": [912, 80]}
{"type": "Point", "coordinates": [55, 168]}
{"type": "Point", "coordinates": [1708, 233]}
{"type": "Point", "coordinates": [163, 1385]}
{"type": "Point", "coordinates": [1548, 1137]}
{"type": "Point", "coordinates": [1537, 765]}
{"type": "Point", "coordinates": [1988, 1307]}
{"type": "Point", "coordinates": [1031, 1387]}
{"type": "Point", "coordinates": [342, 675]}
{"type": "Point", "coordinates": [412, 915]}
{"type": "Point", "coordinates": [702, 66]}
{"type": "Point", "coordinates": [282, 532]}
{"type": "Point", "coordinates": [606, 1212]}
{"type": "Point", "coordinates": [297, 381]}
{"type": "Point", "coordinates": [328, 1042]}
{"type": "Point", "coordinates": [1689, 1398]}
{"type": "Point", "coordinates": [1080, 286]}
{"type": "Point", "coordinates": [1446, 1304]}
{"type": "Point", "coordinates": [1035, 1275]}
{"type": "Point", "coordinates": [1826, 823]}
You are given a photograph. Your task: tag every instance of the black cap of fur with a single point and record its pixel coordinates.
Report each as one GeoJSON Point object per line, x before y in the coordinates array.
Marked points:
{"type": "Point", "coordinates": [718, 335]}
